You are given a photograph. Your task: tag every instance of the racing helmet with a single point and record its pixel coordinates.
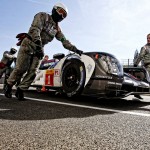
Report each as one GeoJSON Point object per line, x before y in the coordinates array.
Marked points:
{"type": "Point", "coordinates": [13, 50]}
{"type": "Point", "coordinates": [46, 57]}
{"type": "Point", "coordinates": [59, 12]}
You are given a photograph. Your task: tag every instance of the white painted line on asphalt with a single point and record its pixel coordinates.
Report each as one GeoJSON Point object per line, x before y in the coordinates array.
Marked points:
{"type": "Point", "coordinates": [4, 109]}
{"type": "Point", "coordinates": [89, 107]}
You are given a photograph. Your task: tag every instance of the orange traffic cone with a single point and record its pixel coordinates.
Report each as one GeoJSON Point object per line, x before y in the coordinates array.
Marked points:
{"type": "Point", "coordinates": [43, 88]}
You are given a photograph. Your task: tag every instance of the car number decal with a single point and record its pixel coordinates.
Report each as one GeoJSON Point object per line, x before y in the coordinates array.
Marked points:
{"type": "Point", "coordinates": [49, 77]}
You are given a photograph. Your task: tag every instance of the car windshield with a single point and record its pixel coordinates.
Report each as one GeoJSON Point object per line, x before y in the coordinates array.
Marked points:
{"type": "Point", "coordinates": [47, 64]}
{"type": "Point", "coordinates": [110, 64]}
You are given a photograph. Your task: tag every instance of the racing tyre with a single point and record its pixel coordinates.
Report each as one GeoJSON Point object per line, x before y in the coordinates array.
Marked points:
{"type": "Point", "coordinates": [73, 78]}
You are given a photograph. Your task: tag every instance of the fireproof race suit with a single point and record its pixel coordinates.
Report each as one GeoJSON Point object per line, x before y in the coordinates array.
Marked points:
{"type": "Point", "coordinates": [43, 30]}
{"type": "Point", "coordinates": [145, 57]}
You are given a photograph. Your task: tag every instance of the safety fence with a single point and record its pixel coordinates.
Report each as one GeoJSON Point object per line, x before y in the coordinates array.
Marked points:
{"type": "Point", "coordinates": [127, 62]}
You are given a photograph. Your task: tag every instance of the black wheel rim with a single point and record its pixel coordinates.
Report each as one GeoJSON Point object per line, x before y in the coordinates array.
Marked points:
{"type": "Point", "coordinates": [72, 78]}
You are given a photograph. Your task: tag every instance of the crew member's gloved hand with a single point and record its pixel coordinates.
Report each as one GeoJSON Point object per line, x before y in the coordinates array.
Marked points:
{"type": "Point", "coordinates": [135, 65]}
{"type": "Point", "coordinates": [21, 36]}
{"type": "Point", "coordinates": [79, 52]}
{"type": "Point", "coordinates": [39, 54]}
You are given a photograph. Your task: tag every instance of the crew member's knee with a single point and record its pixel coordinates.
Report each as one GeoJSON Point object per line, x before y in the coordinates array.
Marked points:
{"type": "Point", "coordinates": [19, 70]}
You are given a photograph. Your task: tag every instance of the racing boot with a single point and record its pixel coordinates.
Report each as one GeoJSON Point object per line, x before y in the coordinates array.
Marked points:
{"type": "Point", "coordinates": [8, 90]}
{"type": "Point", "coordinates": [19, 94]}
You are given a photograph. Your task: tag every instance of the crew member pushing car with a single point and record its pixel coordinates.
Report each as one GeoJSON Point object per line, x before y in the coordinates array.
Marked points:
{"type": "Point", "coordinates": [44, 29]}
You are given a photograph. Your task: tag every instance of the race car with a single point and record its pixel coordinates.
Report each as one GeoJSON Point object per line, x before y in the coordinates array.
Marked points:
{"type": "Point", "coordinates": [97, 74]}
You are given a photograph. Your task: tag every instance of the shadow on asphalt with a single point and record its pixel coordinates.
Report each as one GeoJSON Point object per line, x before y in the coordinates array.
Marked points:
{"type": "Point", "coordinates": [12, 109]}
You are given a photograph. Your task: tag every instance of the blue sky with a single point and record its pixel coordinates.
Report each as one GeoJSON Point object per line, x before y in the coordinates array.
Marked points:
{"type": "Point", "coordinates": [115, 26]}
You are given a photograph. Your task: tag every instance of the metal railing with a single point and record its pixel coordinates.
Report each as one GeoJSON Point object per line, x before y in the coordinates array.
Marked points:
{"type": "Point", "coordinates": [127, 62]}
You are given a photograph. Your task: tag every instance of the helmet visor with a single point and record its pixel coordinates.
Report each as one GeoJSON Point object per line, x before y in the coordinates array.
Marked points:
{"type": "Point", "coordinates": [61, 12]}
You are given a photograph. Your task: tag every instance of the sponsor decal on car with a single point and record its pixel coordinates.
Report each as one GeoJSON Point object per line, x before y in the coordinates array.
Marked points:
{"type": "Point", "coordinates": [56, 72]}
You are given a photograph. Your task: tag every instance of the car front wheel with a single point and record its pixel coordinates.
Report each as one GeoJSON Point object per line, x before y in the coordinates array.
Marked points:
{"type": "Point", "coordinates": [73, 78]}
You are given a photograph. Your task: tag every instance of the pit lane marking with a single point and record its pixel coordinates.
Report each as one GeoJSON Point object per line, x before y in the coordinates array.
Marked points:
{"type": "Point", "coordinates": [89, 107]}
{"type": "Point", "coordinates": [4, 109]}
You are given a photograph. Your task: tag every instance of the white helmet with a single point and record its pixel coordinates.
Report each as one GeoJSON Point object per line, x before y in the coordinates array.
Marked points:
{"type": "Point", "coordinates": [59, 12]}
{"type": "Point", "coordinates": [61, 6]}
{"type": "Point", "coordinates": [13, 50]}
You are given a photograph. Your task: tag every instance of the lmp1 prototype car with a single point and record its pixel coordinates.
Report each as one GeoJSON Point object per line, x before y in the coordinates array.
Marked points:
{"type": "Point", "coordinates": [97, 74]}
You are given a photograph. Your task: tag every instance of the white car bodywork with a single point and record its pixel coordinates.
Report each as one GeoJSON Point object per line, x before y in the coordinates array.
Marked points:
{"type": "Point", "coordinates": [52, 77]}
